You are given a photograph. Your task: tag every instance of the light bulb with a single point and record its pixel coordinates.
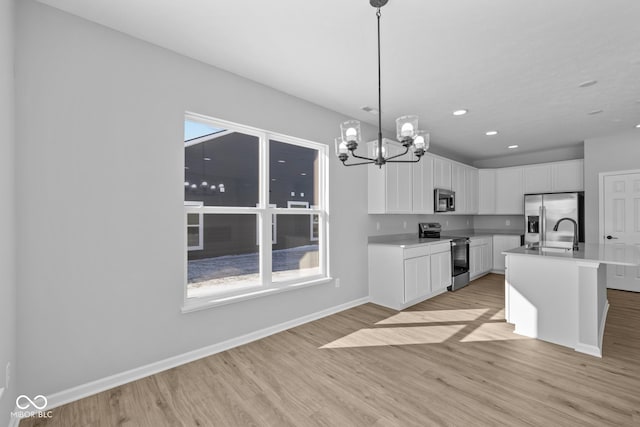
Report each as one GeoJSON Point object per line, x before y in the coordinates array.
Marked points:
{"type": "Point", "coordinates": [351, 134]}
{"type": "Point", "coordinates": [204, 184]}
{"type": "Point", "coordinates": [342, 148]}
{"type": "Point", "coordinates": [186, 183]}
{"type": "Point", "coordinates": [419, 141]}
{"type": "Point", "coordinates": [406, 130]}
{"type": "Point", "coordinates": [221, 188]}
{"type": "Point", "coordinates": [194, 186]}
{"type": "Point", "coordinates": [213, 188]}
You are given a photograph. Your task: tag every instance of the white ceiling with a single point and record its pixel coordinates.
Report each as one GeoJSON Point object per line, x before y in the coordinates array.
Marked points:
{"type": "Point", "coordinates": [516, 65]}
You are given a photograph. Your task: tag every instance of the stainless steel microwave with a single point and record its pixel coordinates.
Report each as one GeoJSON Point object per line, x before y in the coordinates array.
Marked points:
{"type": "Point", "coordinates": [444, 200]}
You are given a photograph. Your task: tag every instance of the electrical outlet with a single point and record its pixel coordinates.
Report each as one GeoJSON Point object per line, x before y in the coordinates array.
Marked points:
{"type": "Point", "coordinates": [337, 283]}
{"type": "Point", "coordinates": [377, 226]}
{"type": "Point", "coordinates": [467, 222]}
{"type": "Point", "coordinates": [404, 225]}
{"type": "Point", "coordinates": [446, 223]}
{"type": "Point", "coordinates": [508, 222]}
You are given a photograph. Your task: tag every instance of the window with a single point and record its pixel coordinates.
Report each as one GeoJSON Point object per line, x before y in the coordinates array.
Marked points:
{"type": "Point", "coordinates": [255, 210]}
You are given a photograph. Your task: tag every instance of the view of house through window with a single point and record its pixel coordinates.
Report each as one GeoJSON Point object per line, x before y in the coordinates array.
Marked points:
{"type": "Point", "coordinates": [254, 212]}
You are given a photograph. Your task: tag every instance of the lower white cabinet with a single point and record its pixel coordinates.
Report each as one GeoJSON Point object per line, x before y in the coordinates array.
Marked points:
{"type": "Point", "coordinates": [440, 267]}
{"type": "Point", "coordinates": [502, 243]}
{"type": "Point", "coordinates": [480, 256]}
{"type": "Point", "coordinates": [400, 277]}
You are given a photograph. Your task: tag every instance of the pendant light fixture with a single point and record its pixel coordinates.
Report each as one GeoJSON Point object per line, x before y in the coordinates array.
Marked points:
{"type": "Point", "coordinates": [407, 131]}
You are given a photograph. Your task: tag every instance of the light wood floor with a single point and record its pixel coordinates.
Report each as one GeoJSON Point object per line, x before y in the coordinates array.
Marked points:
{"type": "Point", "coordinates": [451, 360]}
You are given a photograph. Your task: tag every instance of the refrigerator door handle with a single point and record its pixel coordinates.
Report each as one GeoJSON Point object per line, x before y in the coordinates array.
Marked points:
{"type": "Point", "coordinates": [543, 225]}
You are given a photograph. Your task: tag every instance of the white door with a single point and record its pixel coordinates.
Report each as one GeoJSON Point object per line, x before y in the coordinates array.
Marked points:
{"type": "Point", "coordinates": [621, 225]}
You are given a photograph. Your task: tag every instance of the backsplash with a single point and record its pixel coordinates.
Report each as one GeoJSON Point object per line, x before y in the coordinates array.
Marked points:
{"type": "Point", "coordinates": [384, 224]}
{"type": "Point", "coordinates": [400, 224]}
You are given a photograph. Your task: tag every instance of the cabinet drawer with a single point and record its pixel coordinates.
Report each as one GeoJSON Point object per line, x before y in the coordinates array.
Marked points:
{"type": "Point", "coordinates": [416, 251]}
{"type": "Point", "coordinates": [440, 247]}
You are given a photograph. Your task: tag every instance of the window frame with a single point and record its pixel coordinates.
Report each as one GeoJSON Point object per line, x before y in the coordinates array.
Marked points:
{"type": "Point", "coordinates": [200, 227]}
{"type": "Point", "coordinates": [264, 212]}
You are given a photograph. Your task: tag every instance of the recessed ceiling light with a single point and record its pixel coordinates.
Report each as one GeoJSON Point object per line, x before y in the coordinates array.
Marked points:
{"type": "Point", "coordinates": [594, 112]}
{"type": "Point", "coordinates": [638, 126]}
{"type": "Point", "coordinates": [369, 110]}
{"type": "Point", "coordinates": [186, 167]}
{"type": "Point", "coordinates": [460, 112]}
{"type": "Point", "coordinates": [513, 146]}
{"type": "Point", "coordinates": [207, 158]}
{"type": "Point", "coordinates": [303, 174]}
{"type": "Point", "coordinates": [273, 179]}
{"type": "Point", "coordinates": [281, 161]}
{"type": "Point", "coordinates": [588, 83]}
{"type": "Point", "coordinates": [491, 132]}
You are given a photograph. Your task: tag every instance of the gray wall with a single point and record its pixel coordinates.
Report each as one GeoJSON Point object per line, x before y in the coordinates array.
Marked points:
{"type": "Point", "coordinates": [555, 155]}
{"type": "Point", "coordinates": [100, 262]}
{"type": "Point", "coordinates": [499, 222]}
{"type": "Point", "coordinates": [7, 218]}
{"type": "Point", "coordinates": [606, 154]}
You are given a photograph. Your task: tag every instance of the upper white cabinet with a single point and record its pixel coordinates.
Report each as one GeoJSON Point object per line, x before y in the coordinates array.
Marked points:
{"type": "Point", "coordinates": [487, 191]}
{"type": "Point", "coordinates": [390, 187]}
{"type": "Point", "coordinates": [567, 176]}
{"type": "Point", "coordinates": [423, 185]}
{"type": "Point", "coordinates": [471, 176]}
{"type": "Point", "coordinates": [554, 177]}
{"type": "Point", "coordinates": [537, 179]}
{"type": "Point", "coordinates": [458, 185]}
{"type": "Point", "coordinates": [509, 191]}
{"type": "Point", "coordinates": [441, 173]}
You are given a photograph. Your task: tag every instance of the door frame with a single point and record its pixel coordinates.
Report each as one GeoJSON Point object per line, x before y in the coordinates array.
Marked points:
{"type": "Point", "coordinates": [601, 177]}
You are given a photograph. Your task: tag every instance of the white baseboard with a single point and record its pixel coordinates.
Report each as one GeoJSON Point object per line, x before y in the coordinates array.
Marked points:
{"type": "Point", "coordinates": [97, 386]}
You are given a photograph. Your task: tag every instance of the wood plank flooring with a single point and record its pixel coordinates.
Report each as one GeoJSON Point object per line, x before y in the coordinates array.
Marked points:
{"type": "Point", "coordinates": [451, 360]}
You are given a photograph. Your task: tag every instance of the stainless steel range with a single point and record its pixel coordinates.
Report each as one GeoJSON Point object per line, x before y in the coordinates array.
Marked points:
{"type": "Point", "coordinates": [459, 253]}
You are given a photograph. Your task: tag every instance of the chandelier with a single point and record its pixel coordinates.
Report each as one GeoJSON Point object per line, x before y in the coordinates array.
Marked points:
{"type": "Point", "coordinates": [407, 131]}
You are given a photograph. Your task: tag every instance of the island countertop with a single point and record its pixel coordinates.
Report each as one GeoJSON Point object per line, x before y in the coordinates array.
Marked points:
{"type": "Point", "coordinates": [628, 255]}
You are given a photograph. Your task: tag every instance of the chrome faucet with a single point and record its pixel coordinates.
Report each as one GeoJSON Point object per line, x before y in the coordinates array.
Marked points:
{"type": "Point", "coordinates": [575, 231]}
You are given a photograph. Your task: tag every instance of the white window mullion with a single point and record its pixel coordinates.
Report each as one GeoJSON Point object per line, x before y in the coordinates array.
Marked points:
{"type": "Point", "coordinates": [265, 214]}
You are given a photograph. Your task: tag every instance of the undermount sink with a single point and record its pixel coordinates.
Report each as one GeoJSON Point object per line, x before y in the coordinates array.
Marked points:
{"type": "Point", "coordinates": [555, 249]}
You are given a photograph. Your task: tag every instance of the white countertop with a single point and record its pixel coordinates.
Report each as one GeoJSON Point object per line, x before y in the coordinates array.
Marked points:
{"type": "Point", "coordinates": [409, 240]}
{"type": "Point", "coordinates": [607, 254]}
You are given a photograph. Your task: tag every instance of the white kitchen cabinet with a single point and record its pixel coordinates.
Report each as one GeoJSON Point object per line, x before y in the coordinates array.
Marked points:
{"type": "Point", "coordinates": [390, 187]}
{"type": "Point", "coordinates": [440, 267]}
{"type": "Point", "coordinates": [554, 177]}
{"type": "Point", "coordinates": [441, 173]}
{"type": "Point", "coordinates": [537, 178]}
{"type": "Point", "coordinates": [568, 175]}
{"type": "Point", "coordinates": [423, 185]}
{"type": "Point", "coordinates": [509, 191]}
{"type": "Point", "coordinates": [417, 277]}
{"type": "Point", "coordinates": [471, 177]}
{"type": "Point", "coordinates": [502, 243]}
{"type": "Point", "coordinates": [486, 191]}
{"type": "Point", "coordinates": [480, 256]}
{"type": "Point", "coordinates": [400, 277]}
{"type": "Point", "coordinates": [458, 185]}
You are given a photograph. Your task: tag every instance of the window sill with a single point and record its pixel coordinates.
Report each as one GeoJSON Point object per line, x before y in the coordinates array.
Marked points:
{"type": "Point", "coordinates": [203, 303]}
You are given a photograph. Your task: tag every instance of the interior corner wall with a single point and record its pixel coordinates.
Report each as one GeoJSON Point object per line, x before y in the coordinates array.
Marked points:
{"type": "Point", "coordinates": [7, 205]}
{"type": "Point", "coordinates": [606, 154]}
{"type": "Point", "coordinates": [100, 191]}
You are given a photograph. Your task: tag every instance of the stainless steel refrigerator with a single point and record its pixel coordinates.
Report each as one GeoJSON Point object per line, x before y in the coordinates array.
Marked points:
{"type": "Point", "coordinates": [543, 212]}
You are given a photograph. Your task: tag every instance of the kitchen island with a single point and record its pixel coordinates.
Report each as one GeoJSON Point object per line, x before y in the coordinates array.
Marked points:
{"type": "Point", "coordinates": [561, 296]}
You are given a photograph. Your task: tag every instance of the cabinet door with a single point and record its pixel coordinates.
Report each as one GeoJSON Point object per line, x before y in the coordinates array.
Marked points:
{"type": "Point", "coordinates": [399, 190]}
{"type": "Point", "coordinates": [486, 191]}
{"type": "Point", "coordinates": [440, 271]}
{"type": "Point", "coordinates": [537, 179]}
{"type": "Point", "coordinates": [471, 187]}
{"type": "Point", "coordinates": [417, 278]}
{"type": "Point", "coordinates": [441, 173]}
{"type": "Point", "coordinates": [475, 261]}
{"type": "Point", "coordinates": [423, 185]}
{"type": "Point", "coordinates": [501, 244]}
{"type": "Point", "coordinates": [487, 256]}
{"type": "Point", "coordinates": [458, 185]}
{"type": "Point", "coordinates": [509, 191]}
{"type": "Point", "coordinates": [568, 176]}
